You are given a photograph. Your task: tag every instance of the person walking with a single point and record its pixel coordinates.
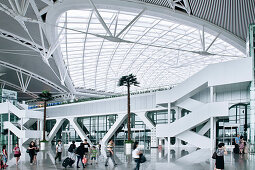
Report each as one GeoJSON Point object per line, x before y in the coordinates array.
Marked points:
{"type": "Point", "coordinates": [221, 151]}
{"type": "Point", "coordinates": [87, 149]}
{"type": "Point", "coordinates": [71, 151]}
{"type": "Point", "coordinates": [17, 153]}
{"type": "Point", "coordinates": [31, 150]}
{"type": "Point", "coordinates": [80, 151]}
{"type": "Point", "coordinates": [110, 153]}
{"type": "Point", "coordinates": [5, 156]}
{"type": "Point", "coordinates": [136, 155]}
{"type": "Point", "coordinates": [241, 146]}
{"type": "Point", "coordinates": [93, 155]}
{"type": "Point", "coordinates": [59, 149]}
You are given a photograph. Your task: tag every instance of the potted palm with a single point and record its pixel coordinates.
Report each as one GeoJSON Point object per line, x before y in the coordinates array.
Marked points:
{"type": "Point", "coordinates": [128, 81]}
{"type": "Point", "coordinates": [44, 96]}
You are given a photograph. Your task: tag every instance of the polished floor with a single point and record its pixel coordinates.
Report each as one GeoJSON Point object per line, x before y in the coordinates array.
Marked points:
{"type": "Point", "coordinates": [175, 158]}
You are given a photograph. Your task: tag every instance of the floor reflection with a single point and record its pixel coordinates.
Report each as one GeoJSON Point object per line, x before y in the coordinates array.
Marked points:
{"type": "Point", "coordinates": [175, 158]}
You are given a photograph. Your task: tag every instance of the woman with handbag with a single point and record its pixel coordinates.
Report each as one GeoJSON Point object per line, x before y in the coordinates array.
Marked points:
{"type": "Point", "coordinates": [136, 154]}
{"type": "Point", "coordinates": [32, 152]}
{"type": "Point", "coordinates": [17, 153]}
{"type": "Point", "coordinates": [220, 152]}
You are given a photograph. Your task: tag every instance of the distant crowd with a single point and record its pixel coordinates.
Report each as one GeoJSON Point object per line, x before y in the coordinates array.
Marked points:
{"type": "Point", "coordinates": [84, 154]}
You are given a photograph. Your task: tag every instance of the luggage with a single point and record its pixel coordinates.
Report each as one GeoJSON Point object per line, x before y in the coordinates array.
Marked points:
{"type": "Point", "coordinates": [142, 158]}
{"type": "Point", "coordinates": [236, 149]}
{"type": "Point", "coordinates": [67, 162]}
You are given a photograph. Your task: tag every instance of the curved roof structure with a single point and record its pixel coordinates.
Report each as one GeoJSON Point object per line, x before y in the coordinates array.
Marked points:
{"type": "Point", "coordinates": [84, 47]}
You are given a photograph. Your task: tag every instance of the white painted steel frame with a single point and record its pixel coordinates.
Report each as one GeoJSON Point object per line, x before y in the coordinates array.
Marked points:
{"type": "Point", "coordinates": [191, 21]}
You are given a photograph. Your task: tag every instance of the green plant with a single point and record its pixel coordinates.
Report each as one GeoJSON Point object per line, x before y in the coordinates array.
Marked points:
{"type": "Point", "coordinates": [44, 141]}
{"type": "Point", "coordinates": [129, 141]}
{"type": "Point", "coordinates": [128, 81]}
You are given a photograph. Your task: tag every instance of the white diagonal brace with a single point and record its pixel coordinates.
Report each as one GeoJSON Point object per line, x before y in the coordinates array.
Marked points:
{"type": "Point", "coordinates": [21, 82]}
{"type": "Point", "coordinates": [55, 129]}
{"type": "Point", "coordinates": [113, 129]}
{"type": "Point", "coordinates": [17, 88]}
{"type": "Point", "coordinates": [202, 38]}
{"type": "Point", "coordinates": [100, 18]}
{"type": "Point", "coordinates": [146, 121]}
{"type": "Point", "coordinates": [186, 3]}
{"type": "Point", "coordinates": [2, 85]}
{"type": "Point", "coordinates": [212, 42]}
{"type": "Point", "coordinates": [54, 46]}
{"type": "Point", "coordinates": [13, 6]}
{"type": "Point", "coordinates": [25, 7]}
{"type": "Point", "coordinates": [18, 6]}
{"type": "Point", "coordinates": [78, 129]}
{"type": "Point", "coordinates": [171, 3]}
{"type": "Point", "coordinates": [132, 22]}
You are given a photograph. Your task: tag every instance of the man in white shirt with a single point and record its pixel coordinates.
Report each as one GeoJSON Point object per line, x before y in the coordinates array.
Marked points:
{"type": "Point", "coordinates": [58, 151]}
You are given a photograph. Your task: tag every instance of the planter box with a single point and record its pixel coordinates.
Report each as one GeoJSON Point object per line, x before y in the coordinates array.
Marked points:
{"type": "Point", "coordinates": [43, 146]}
{"type": "Point", "coordinates": [128, 148]}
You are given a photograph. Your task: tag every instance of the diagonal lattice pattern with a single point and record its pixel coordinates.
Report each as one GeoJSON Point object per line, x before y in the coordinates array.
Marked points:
{"type": "Point", "coordinates": [160, 52]}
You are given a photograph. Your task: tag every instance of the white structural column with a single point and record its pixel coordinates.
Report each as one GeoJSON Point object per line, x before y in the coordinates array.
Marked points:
{"type": "Point", "coordinates": [168, 121]}
{"type": "Point", "coordinates": [55, 128]}
{"type": "Point", "coordinates": [212, 132]}
{"type": "Point", "coordinates": [252, 89]}
{"type": "Point", "coordinates": [78, 129]}
{"type": "Point", "coordinates": [113, 129]}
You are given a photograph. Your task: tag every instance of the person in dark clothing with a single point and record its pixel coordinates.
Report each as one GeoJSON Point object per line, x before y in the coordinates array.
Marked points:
{"type": "Point", "coordinates": [32, 149]}
{"type": "Point", "coordinates": [80, 154]}
{"type": "Point", "coordinates": [71, 151]}
{"type": "Point", "coordinates": [87, 148]}
{"type": "Point", "coordinates": [221, 151]}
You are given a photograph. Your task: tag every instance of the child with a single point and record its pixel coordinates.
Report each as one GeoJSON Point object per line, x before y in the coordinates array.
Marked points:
{"type": "Point", "coordinates": [93, 154]}
{"type": "Point", "coordinates": [5, 156]}
{"type": "Point", "coordinates": [17, 153]}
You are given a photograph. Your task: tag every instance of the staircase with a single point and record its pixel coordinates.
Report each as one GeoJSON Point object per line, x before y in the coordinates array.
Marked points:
{"type": "Point", "coordinates": [181, 127]}
{"type": "Point", "coordinates": [21, 128]}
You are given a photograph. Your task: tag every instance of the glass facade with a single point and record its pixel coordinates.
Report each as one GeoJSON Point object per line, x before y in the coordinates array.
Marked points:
{"type": "Point", "coordinates": [236, 123]}
{"type": "Point", "coordinates": [161, 117]}
{"type": "Point", "coordinates": [95, 127]}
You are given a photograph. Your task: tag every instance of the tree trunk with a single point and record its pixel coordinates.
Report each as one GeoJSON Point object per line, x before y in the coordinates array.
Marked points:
{"type": "Point", "coordinates": [128, 124]}
{"type": "Point", "coordinates": [44, 120]}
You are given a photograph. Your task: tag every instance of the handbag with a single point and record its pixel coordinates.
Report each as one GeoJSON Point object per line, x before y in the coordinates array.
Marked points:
{"type": "Point", "coordinates": [142, 158]}
{"type": "Point", "coordinates": [108, 154]}
{"type": "Point", "coordinates": [214, 155]}
{"type": "Point", "coordinates": [84, 160]}
{"type": "Point", "coordinates": [28, 150]}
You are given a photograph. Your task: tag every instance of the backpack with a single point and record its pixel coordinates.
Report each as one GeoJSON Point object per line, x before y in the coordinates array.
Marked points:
{"type": "Point", "coordinates": [71, 148]}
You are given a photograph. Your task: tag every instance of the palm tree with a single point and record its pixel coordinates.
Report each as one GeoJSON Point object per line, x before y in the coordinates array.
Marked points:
{"type": "Point", "coordinates": [45, 96]}
{"type": "Point", "coordinates": [128, 81]}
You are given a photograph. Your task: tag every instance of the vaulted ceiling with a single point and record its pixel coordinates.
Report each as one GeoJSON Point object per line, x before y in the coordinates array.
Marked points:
{"type": "Point", "coordinates": [37, 37]}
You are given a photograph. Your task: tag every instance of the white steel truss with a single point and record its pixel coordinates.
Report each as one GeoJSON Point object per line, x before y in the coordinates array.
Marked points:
{"type": "Point", "coordinates": [6, 83]}
{"type": "Point", "coordinates": [114, 43]}
{"type": "Point", "coordinates": [33, 75]}
{"type": "Point", "coordinates": [22, 81]}
{"type": "Point", "coordinates": [18, 13]}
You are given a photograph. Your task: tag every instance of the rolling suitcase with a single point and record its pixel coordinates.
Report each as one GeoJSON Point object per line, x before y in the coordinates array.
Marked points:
{"type": "Point", "coordinates": [67, 162]}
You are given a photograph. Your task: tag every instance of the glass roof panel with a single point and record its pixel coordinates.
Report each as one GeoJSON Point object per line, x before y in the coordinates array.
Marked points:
{"type": "Point", "coordinates": [161, 53]}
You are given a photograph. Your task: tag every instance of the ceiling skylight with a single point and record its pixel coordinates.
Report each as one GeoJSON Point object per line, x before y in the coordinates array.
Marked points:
{"type": "Point", "coordinates": [160, 52]}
